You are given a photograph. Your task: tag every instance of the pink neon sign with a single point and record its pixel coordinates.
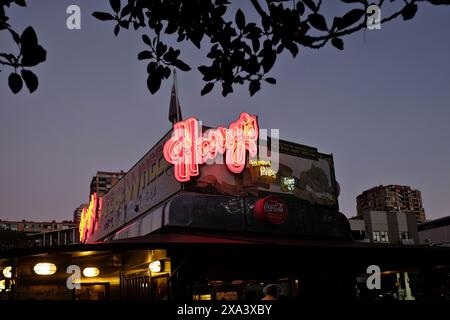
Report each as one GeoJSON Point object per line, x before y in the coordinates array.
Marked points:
{"type": "Point", "coordinates": [89, 216]}
{"type": "Point", "coordinates": [188, 147]}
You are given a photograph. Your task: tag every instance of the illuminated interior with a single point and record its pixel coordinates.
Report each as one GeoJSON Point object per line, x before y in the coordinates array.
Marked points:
{"type": "Point", "coordinates": [236, 273]}
{"type": "Point", "coordinates": [90, 272]}
{"type": "Point", "coordinates": [7, 272]}
{"type": "Point", "coordinates": [44, 268]}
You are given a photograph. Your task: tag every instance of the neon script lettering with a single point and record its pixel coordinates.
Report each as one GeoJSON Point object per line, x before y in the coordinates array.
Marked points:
{"type": "Point", "coordinates": [88, 216]}
{"type": "Point", "coordinates": [265, 167]}
{"type": "Point", "coordinates": [187, 148]}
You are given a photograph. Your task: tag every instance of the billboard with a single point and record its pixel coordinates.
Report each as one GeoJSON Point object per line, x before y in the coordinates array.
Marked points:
{"type": "Point", "coordinates": [145, 185]}
{"type": "Point", "coordinates": [300, 171]}
{"type": "Point", "coordinates": [303, 172]}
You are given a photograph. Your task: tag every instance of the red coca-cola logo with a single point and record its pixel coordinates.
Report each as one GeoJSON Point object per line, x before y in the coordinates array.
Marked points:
{"type": "Point", "coordinates": [271, 209]}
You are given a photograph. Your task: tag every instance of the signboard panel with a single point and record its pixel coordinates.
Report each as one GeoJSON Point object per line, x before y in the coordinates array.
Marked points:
{"type": "Point", "coordinates": [303, 173]}
{"type": "Point", "coordinates": [189, 157]}
{"type": "Point", "coordinates": [148, 183]}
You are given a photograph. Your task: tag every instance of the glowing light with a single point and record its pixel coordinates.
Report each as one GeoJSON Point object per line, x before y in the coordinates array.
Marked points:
{"type": "Point", "coordinates": [7, 272]}
{"type": "Point", "coordinates": [155, 266]}
{"type": "Point", "coordinates": [264, 167]}
{"type": "Point", "coordinates": [2, 285]}
{"type": "Point", "coordinates": [187, 149]}
{"type": "Point", "coordinates": [202, 297]}
{"type": "Point", "coordinates": [45, 268]}
{"type": "Point", "coordinates": [258, 163]}
{"type": "Point", "coordinates": [288, 183]}
{"type": "Point", "coordinates": [90, 272]}
{"type": "Point", "coordinates": [88, 216]}
{"type": "Point", "coordinates": [266, 171]}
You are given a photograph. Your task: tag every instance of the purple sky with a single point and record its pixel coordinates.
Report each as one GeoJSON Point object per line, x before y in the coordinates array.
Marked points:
{"type": "Point", "coordinates": [382, 107]}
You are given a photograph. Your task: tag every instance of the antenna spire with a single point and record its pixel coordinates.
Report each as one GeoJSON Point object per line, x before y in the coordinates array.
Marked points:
{"type": "Point", "coordinates": [174, 107]}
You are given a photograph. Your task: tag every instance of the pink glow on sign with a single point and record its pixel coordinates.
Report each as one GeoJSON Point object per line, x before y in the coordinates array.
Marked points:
{"type": "Point", "coordinates": [89, 216]}
{"type": "Point", "coordinates": [188, 148]}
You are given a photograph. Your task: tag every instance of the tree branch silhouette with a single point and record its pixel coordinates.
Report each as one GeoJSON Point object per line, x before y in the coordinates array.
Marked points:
{"type": "Point", "coordinates": [31, 53]}
{"type": "Point", "coordinates": [240, 51]}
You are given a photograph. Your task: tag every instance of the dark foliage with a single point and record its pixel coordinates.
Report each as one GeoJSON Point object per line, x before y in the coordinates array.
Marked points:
{"type": "Point", "coordinates": [30, 54]}
{"type": "Point", "coordinates": [239, 51]}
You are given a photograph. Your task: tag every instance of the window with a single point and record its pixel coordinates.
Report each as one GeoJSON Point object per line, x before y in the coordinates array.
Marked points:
{"type": "Point", "coordinates": [380, 236]}
{"type": "Point", "coordinates": [376, 236]}
{"type": "Point", "coordinates": [404, 235]}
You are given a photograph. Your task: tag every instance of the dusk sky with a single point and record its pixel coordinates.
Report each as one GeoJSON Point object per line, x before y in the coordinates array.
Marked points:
{"type": "Point", "coordinates": [381, 107]}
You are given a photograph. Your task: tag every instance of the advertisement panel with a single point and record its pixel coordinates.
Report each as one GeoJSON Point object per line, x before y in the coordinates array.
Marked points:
{"type": "Point", "coordinates": [148, 183]}
{"type": "Point", "coordinates": [303, 173]}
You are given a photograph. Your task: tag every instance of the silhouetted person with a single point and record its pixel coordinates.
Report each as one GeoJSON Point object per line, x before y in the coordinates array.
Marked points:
{"type": "Point", "coordinates": [270, 292]}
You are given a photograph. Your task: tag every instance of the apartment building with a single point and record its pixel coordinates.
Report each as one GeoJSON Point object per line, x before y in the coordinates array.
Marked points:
{"type": "Point", "coordinates": [391, 198]}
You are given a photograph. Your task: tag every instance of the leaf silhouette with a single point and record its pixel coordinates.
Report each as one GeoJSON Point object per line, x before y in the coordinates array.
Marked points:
{"type": "Point", "coordinates": [15, 82]}
{"type": "Point", "coordinates": [103, 16]}
{"type": "Point", "coordinates": [207, 88]}
{"type": "Point", "coordinates": [338, 43]}
{"type": "Point", "coordinates": [318, 21]}
{"type": "Point", "coordinates": [30, 79]}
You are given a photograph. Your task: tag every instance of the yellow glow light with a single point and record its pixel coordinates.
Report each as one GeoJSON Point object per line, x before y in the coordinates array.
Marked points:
{"type": "Point", "coordinates": [268, 172]}
{"type": "Point", "coordinates": [260, 163]}
{"type": "Point", "coordinates": [7, 272]}
{"type": "Point", "coordinates": [44, 268]}
{"type": "Point", "coordinates": [155, 266]}
{"type": "Point", "coordinates": [91, 272]}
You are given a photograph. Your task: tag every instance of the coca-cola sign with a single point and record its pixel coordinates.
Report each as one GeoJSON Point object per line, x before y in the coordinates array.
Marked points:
{"type": "Point", "coordinates": [271, 209]}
